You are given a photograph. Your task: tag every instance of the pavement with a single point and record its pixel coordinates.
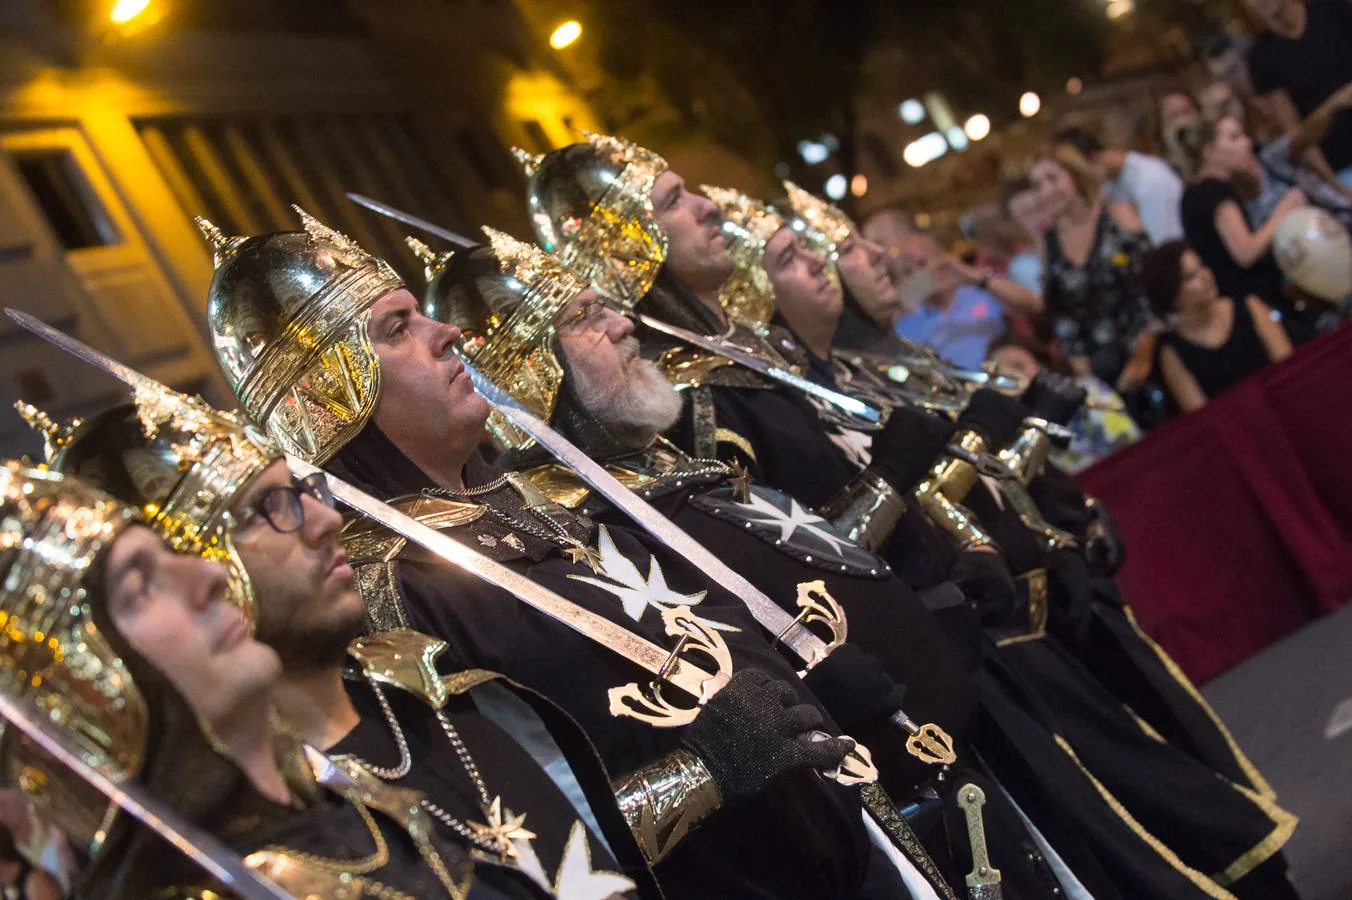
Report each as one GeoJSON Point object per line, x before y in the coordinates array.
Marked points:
{"type": "Point", "coordinates": [1290, 708]}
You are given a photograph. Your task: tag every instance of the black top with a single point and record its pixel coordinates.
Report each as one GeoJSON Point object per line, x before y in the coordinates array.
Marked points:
{"type": "Point", "coordinates": [1311, 68]}
{"type": "Point", "coordinates": [1200, 201]}
{"type": "Point", "coordinates": [508, 771]}
{"type": "Point", "coordinates": [803, 837]}
{"type": "Point", "coordinates": [1098, 310]}
{"type": "Point", "coordinates": [1219, 369]}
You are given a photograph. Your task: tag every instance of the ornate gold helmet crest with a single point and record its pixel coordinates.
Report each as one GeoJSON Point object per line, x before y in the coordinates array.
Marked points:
{"type": "Point", "coordinates": [748, 225]}
{"type": "Point", "coordinates": [505, 298]}
{"type": "Point", "coordinates": [182, 463]}
{"type": "Point", "coordinates": [53, 529]}
{"type": "Point", "coordinates": [591, 205]}
{"type": "Point", "coordinates": [288, 314]}
{"type": "Point", "coordinates": [824, 224]}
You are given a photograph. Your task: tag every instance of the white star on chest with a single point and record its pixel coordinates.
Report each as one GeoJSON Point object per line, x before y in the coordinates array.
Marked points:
{"type": "Point", "coordinates": [636, 593]}
{"type": "Point", "coordinates": [576, 879]}
{"type": "Point", "coordinates": [789, 522]}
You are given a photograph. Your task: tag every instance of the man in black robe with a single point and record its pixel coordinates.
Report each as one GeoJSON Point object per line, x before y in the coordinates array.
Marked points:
{"type": "Point", "coordinates": [730, 804]}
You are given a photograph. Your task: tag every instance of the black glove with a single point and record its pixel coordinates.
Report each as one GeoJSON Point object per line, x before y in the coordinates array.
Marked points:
{"type": "Point", "coordinates": [985, 579]}
{"type": "Point", "coordinates": [854, 687]}
{"type": "Point", "coordinates": [994, 416]}
{"type": "Point", "coordinates": [908, 445]}
{"type": "Point", "coordinates": [1103, 547]}
{"type": "Point", "coordinates": [756, 729]}
{"type": "Point", "coordinates": [1056, 398]}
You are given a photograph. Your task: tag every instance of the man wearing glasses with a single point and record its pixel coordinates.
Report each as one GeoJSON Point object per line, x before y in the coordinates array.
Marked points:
{"type": "Point", "coordinates": [378, 704]}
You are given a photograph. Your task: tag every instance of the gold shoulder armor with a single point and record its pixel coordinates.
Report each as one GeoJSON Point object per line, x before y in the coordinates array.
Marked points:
{"type": "Point", "coordinates": [563, 486]}
{"type": "Point", "coordinates": [368, 541]}
{"type": "Point", "coordinates": [689, 367]}
{"type": "Point", "coordinates": [407, 659]}
{"type": "Point", "coordinates": [372, 550]}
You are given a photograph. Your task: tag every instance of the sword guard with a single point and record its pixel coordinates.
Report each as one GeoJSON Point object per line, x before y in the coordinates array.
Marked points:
{"type": "Point", "coordinates": [856, 768]}
{"type": "Point", "coordinates": [693, 635]}
{"type": "Point", "coordinates": [818, 606]}
{"type": "Point", "coordinates": [932, 745]}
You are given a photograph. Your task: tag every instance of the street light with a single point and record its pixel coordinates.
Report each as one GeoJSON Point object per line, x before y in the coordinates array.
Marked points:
{"type": "Point", "coordinates": [977, 127]}
{"type": "Point", "coordinates": [125, 10]}
{"type": "Point", "coordinates": [564, 35]}
{"type": "Point", "coordinates": [859, 185]}
{"type": "Point", "coordinates": [912, 111]}
{"type": "Point", "coordinates": [1029, 104]}
{"type": "Point", "coordinates": [835, 187]}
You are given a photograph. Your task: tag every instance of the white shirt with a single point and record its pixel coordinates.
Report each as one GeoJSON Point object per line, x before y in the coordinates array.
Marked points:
{"type": "Point", "coordinates": [1150, 185]}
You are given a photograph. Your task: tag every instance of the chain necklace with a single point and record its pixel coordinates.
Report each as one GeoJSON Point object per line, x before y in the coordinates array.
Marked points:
{"type": "Point", "coordinates": [553, 533]}
{"type": "Point", "coordinates": [496, 836]}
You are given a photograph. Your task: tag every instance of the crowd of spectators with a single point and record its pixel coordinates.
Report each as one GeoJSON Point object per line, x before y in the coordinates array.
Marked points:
{"type": "Point", "coordinates": [1151, 277]}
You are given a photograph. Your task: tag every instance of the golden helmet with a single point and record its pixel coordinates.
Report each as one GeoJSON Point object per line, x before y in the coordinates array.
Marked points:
{"type": "Point", "coordinates": [823, 225]}
{"type": "Point", "coordinates": [591, 206]}
{"type": "Point", "coordinates": [288, 314]}
{"type": "Point", "coordinates": [178, 460]}
{"type": "Point", "coordinates": [53, 530]}
{"type": "Point", "coordinates": [505, 297]}
{"type": "Point", "coordinates": [748, 225]}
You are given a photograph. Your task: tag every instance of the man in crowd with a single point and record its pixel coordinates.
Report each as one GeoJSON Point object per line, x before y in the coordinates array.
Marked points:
{"type": "Point", "coordinates": [1296, 64]}
{"type": "Point", "coordinates": [957, 314]}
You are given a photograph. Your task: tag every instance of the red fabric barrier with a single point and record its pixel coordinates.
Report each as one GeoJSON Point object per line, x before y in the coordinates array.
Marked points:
{"type": "Point", "coordinates": [1238, 518]}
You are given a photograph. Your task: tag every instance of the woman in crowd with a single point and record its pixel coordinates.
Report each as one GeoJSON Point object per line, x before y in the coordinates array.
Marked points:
{"type": "Point", "coordinates": [1214, 341]}
{"type": "Point", "coordinates": [1226, 234]}
{"type": "Point", "coordinates": [1091, 293]}
{"type": "Point", "coordinates": [1176, 111]}
{"type": "Point", "coordinates": [1281, 160]}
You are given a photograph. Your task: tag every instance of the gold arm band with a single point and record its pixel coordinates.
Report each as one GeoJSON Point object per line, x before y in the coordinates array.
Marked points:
{"type": "Point", "coordinates": [1028, 453]}
{"type": "Point", "coordinates": [666, 800]}
{"type": "Point", "coordinates": [950, 517]}
{"type": "Point", "coordinates": [866, 510]}
{"type": "Point", "coordinates": [956, 477]}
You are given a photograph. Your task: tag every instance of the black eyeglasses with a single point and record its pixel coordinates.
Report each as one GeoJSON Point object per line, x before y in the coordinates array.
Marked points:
{"type": "Point", "coordinates": [281, 507]}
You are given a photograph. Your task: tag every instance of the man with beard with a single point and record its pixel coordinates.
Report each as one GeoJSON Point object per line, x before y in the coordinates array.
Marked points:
{"type": "Point", "coordinates": [513, 302]}
{"type": "Point", "coordinates": [1088, 613]}
{"type": "Point", "coordinates": [642, 193]}
{"type": "Point", "coordinates": [139, 655]}
{"type": "Point", "coordinates": [459, 739]}
{"type": "Point", "coordinates": [731, 804]}
{"type": "Point", "coordinates": [1228, 833]}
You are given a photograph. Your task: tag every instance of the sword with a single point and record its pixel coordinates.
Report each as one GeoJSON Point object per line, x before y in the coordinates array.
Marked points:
{"type": "Point", "coordinates": [409, 219]}
{"type": "Point", "coordinates": [199, 846]}
{"type": "Point", "coordinates": [691, 632]}
{"type": "Point", "coordinates": [851, 405]}
{"type": "Point", "coordinates": [791, 631]}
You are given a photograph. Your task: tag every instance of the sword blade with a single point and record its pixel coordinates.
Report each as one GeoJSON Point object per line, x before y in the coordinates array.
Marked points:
{"type": "Point", "coordinates": [616, 638]}
{"type": "Point", "coordinates": [851, 405]}
{"type": "Point", "coordinates": [409, 219]}
{"type": "Point", "coordinates": [199, 846]}
{"type": "Point", "coordinates": [619, 639]}
{"type": "Point", "coordinates": [770, 615]}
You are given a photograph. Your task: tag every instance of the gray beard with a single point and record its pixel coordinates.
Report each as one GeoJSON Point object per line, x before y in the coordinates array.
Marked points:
{"type": "Point", "coordinates": [635, 409]}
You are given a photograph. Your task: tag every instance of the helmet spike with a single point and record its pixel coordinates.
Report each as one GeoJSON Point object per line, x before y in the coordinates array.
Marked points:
{"type": "Point", "coordinates": [431, 259]}
{"type": "Point", "coordinates": [529, 161]}
{"type": "Point", "coordinates": [54, 435]}
{"type": "Point", "coordinates": [222, 245]}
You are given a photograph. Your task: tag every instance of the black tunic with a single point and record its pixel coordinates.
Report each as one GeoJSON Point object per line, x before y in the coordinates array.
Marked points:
{"type": "Point", "coordinates": [803, 837]}
{"type": "Point", "coordinates": [508, 771]}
